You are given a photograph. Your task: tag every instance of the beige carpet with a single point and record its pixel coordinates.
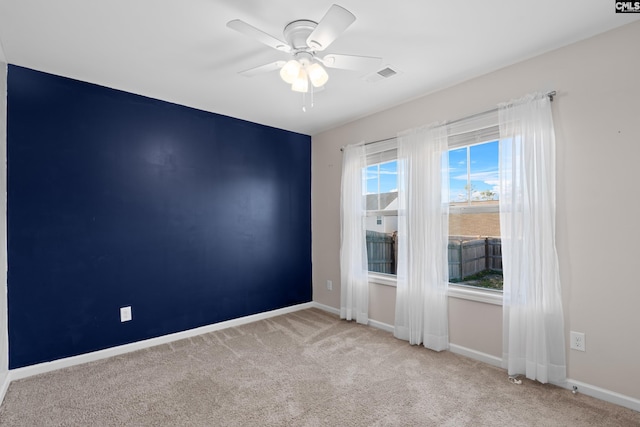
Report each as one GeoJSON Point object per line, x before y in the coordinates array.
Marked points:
{"type": "Point", "coordinates": [302, 369]}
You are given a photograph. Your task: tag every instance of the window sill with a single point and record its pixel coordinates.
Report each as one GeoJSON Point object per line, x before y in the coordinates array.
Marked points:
{"type": "Point", "coordinates": [382, 279]}
{"type": "Point", "coordinates": [487, 296]}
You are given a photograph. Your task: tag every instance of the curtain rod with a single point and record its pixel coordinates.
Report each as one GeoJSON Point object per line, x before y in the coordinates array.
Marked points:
{"type": "Point", "coordinates": [549, 94]}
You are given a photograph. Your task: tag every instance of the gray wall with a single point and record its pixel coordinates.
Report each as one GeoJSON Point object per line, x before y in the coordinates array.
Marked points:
{"type": "Point", "coordinates": [597, 132]}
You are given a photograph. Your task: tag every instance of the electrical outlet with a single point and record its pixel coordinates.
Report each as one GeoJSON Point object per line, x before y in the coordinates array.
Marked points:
{"type": "Point", "coordinates": [329, 285]}
{"type": "Point", "coordinates": [125, 314]}
{"type": "Point", "coordinates": [577, 341]}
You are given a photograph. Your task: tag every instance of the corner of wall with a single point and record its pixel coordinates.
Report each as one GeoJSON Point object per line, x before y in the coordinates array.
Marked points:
{"type": "Point", "coordinates": [4, 338]}
{"type": "Point", "coordinates": [3, 58]}
{"type": "Point", "coordinates": [5, 380]}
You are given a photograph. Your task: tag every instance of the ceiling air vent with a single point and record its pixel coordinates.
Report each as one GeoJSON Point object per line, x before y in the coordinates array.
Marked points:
{"type": "Point", "coordinates": [387, 72]}
{"type": "Point", "coordinates": [381, 74]}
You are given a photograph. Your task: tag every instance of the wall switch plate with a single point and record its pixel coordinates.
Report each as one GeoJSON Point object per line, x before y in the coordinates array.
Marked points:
{"type": "Point", "coordinates": [125, 314]}
{"type": "Point", "coordinates": [577, 341]}
{"type": "Point", "coordinates": [329, 285]}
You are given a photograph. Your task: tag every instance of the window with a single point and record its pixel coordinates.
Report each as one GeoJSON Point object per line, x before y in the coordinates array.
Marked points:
{"type": "Point", "coordinates": [382, 215]}
{"type": "Point", "coordinates": [474, 216]}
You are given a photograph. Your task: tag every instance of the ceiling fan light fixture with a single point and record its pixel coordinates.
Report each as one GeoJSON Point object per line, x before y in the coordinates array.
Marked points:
{"type": "Point", "coordinates": [289, 73]}
{"type": "Point", "coordinates": [301, 83]}
{"type": "Point", "coordinates": [317, 74]}
{"type": "Point", "coordinates": [304, 38]}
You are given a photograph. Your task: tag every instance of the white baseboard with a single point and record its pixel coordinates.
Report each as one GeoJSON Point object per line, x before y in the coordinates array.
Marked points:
{"type": "Point", "coordinates": [381, 325]}
{"type": "Point", "coordinates": [584, 388]}
{"type": "Point", "coordinates": [373, 323]}
{"type": "Point", "coordinates": [589, 390]}
{"type": "Point", "coordinates": [28, 371]}
{"type": "Point", "coordinates": [602, 394]}
{"type": "Point", "coordinates": [473, 354]}
{"type": "Point", "coordinates": [326, 308]}
{"type": "Point", "coordinates": [16, 374]}
{"type": "Point", "coordinates": [476, 355]}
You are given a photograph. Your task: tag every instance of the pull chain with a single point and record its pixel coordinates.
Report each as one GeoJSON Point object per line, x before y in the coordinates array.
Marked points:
{"type": "Point", "coordinates": [304, 100]}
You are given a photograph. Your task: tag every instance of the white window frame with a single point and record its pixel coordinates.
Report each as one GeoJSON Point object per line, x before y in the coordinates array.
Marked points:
{"type": "Point", "coordinates": [468, 206]}
{"type": "Point", "coordinates": [473, 130]}
{"type": "Point", "coordinates": [378, 153]}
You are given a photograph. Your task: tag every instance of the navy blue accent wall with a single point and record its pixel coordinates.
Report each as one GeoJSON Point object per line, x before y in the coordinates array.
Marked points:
{"type": "Point", "coordinates": [115, 199]}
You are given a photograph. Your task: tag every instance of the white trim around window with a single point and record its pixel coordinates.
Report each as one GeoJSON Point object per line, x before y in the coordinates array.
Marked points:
{"type": "Point", "coordinates": [382, 279]}
{"type": "Point", "coordinates": [487, 296]}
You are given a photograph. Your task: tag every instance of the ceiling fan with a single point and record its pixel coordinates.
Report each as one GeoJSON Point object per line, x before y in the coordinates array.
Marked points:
{"type": "Point", "coordinates": [304, 39]}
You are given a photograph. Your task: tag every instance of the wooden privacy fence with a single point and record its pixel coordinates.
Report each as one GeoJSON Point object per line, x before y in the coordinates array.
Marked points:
{"type": "Point", "coordinates": [471, 255]}
{"type": "Point", "coordinates": [467, 255]}
{"type": "Point", "coordinates": [381, 252]}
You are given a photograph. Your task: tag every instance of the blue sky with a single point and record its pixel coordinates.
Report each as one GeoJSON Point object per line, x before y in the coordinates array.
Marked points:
{"type": "Point", "coordinates": [483, 173]}
{"type": "Point", "coordinates": [388, 178]}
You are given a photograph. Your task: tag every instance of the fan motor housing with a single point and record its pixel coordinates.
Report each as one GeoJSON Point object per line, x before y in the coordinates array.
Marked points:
{"type": "Point", "coordinates": [297, 32]}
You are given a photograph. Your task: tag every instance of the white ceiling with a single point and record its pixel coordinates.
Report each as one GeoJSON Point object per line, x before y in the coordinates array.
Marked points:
{"type": "Point", "coordinates": [182, 51]}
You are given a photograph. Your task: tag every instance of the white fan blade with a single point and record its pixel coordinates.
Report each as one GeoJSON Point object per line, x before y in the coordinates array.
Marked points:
{"type": "Point", "coordinates": [263, 69]}
{"type": "Point", "coordinates": [336, 20]}
{"type": "Point", "coordinates": [351, 62]}
{"type": "Point", "coordinates": [259, 35]}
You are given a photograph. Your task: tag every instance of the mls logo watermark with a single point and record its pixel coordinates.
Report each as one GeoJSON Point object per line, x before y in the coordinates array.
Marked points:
{"type": "Point", "coordinates": [628, 7]}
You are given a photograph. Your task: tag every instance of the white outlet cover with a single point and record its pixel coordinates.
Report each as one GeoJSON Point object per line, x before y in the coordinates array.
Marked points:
{"type": "Point", "coordinates": [577, 341]}
{"type": "Point", "coordinates": [125, 314]}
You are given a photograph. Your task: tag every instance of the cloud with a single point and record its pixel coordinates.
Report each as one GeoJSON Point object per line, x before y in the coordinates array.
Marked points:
{"type": "Point", "coordinates": [488, 176]}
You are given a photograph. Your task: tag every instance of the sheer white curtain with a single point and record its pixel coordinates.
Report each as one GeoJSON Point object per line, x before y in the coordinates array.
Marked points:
{"type": "Point", "coordinates": [354, 284]}
{"type": "Point", "coordinates": [423, 274]}
{"type": "Point", "coordinates": [533, 322]}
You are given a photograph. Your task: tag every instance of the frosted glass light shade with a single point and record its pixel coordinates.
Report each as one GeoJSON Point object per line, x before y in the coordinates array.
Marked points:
{"type": "Point", "coordinates": [317, 75]}
{"type": "Point", "coordinates": [301, 83]}
{"type": "Point", "coordinates": [290, 71]}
